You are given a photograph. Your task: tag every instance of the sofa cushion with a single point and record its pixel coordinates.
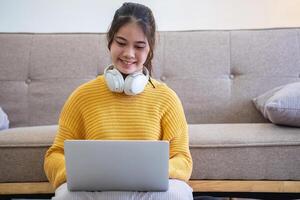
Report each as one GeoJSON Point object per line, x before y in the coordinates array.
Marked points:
{"type": "Point", "coordinates": [219, 151]}
{"type": "Point", "coordinates": [22, 152]}
{"type": "Point", "coordinates": [281, 105]}
{"type": "Point", "coordinates": [39, 71]}
{"type": "Point", "coordinates": [256, 151]}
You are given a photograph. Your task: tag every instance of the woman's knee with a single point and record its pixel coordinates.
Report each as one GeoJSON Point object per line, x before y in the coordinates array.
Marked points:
{"type": "Point", "coordinates": [62, 193]}
{"type": "Point", "coordinates": [179, 190]}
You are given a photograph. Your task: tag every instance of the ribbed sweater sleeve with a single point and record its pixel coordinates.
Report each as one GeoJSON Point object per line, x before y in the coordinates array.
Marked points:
{"type": "Point", "coordinates": [69, 127]}
{"type": "Point", "coordinates": [175, 130]}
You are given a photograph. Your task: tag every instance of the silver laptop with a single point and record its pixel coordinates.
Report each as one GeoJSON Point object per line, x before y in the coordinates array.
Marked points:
{"type": "Point", "coordinates": [110, 165]}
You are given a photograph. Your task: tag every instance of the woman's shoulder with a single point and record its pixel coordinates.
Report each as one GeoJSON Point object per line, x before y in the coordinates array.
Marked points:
{"type": "Point", "coordinates": [163, 89]}
{"type": "Point", "coordinates": [96, 82]}
{"type": "Point", "coordinates": [88, 87]}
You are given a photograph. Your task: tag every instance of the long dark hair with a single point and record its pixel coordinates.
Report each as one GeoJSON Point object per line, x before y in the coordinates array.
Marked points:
{"type": "Point", "coordinates": [143, 16]}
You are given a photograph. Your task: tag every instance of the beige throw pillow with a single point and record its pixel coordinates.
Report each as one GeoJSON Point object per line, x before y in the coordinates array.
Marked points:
{"type": "Point", "coordinates": [281, 105]}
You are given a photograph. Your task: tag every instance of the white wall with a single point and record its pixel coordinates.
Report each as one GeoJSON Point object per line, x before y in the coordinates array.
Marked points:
{"type": "Point", "coordinates": [96, 15]}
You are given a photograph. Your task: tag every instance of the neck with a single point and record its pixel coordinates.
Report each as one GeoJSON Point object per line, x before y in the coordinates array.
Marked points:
{"type": "Point", "coordinates": [124, 75]}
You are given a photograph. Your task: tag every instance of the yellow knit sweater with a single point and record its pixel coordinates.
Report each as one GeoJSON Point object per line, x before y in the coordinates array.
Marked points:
{"type": "Point", "coordinates": [93, 112]}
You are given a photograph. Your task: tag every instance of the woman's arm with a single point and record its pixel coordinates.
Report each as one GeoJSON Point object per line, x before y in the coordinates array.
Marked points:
{"type": "Point", "coordinates": [175, 130]}
{"type": "Point", "coordinates": [54, 164]}
{"type": "Point", "coordinates": [180, 163]}
{"type": "Point", "coordinates": [70, 127]}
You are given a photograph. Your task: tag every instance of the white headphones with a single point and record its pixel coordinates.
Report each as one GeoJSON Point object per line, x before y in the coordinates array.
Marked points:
{"type": "Point", "coordinates": [132, 85]}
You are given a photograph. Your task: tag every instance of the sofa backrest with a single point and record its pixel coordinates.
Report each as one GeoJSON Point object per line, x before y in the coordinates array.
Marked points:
{"type": "Point", "coordinates": [215, 73]}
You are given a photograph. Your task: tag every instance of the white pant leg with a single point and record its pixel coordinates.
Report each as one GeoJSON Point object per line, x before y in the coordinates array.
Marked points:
{"type": "Point", "coordinates": [178, 190]}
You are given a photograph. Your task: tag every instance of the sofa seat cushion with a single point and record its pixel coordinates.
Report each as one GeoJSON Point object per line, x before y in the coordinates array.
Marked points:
{"type": "Point", "coordinates": [22, 152]}
{"type": "Point", "coordinates": [219, 151]}
{"type": "Point", "coordinates": [256, 151]}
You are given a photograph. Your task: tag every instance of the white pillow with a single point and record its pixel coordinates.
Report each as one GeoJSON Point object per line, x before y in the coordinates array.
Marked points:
{"type": "Point", "coordinates": [4, 123]}
{"type": "Point", "coordinates": [281, 105]}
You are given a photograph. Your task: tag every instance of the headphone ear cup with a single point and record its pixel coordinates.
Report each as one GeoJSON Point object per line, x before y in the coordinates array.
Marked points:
{"type": "Point", "coordinates": [135, 83]}
{"type": "Point", "coordinates": [114, 79]}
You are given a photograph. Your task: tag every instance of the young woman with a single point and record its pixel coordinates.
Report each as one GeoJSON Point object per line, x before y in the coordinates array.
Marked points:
{"type": "Point", "coordinates": [125, 103]}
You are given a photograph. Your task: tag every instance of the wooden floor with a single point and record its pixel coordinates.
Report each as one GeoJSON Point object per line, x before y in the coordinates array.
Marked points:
{"type": "Point", "coordinates": [197, 185]}
{"type": "Point", "coordinates": [246, 186]}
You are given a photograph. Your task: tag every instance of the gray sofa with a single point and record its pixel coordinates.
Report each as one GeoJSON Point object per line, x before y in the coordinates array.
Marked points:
{"type": "Point", "coordinates": [216, 74]}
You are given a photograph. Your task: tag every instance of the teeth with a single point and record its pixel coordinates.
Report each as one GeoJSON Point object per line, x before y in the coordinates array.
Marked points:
{"type": "Point", "coordinates": [126, 62]}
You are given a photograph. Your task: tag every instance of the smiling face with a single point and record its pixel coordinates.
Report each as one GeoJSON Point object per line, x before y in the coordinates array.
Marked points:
{"type": "Point", "coordinates": [129, 48]}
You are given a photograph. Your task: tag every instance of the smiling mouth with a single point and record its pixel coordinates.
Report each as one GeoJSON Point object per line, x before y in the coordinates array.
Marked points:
{"type": "Point", "coordinates": [128, 62]}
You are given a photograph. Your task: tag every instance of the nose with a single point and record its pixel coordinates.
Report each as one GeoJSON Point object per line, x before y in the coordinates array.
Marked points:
{"type": "Point", "coordinates": [129, 52]}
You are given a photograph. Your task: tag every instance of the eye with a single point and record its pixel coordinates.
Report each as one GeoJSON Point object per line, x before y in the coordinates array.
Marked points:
{"type": "Point", "coordinates": [120, 43]}
{"type": "Point", "coordinates": [139, 47]}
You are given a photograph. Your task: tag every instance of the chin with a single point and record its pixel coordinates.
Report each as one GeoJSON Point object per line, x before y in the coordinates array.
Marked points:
{"type": "Point", "coordinates": [127, 70]}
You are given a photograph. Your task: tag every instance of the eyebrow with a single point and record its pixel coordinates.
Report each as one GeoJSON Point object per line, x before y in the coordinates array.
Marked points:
{"type": "Point", "coordinates": [121, 38]}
